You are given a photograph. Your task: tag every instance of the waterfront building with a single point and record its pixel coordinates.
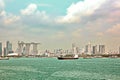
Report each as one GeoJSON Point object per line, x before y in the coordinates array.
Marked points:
{"type": "Point", "coordinates": [9, 47]}
{"type": "Point", "coordinates": [23, 51]}
{"type": "Point", "coordinates": [66, 51]}
{"type": "Point", "coordinates": [82, 51]}
{"type": "Point", "coordinates": [101, 49]}
{"type": "Point", "coordinates": [0, 49]}
{"type": "Point", "coordinates": [5, 51]}
{"type": "Point", "coordinates": [27, 49]}
{"type": "Point", "coordinates": [20, 47]}
{"type": "Point", "coordinates": [88, 48]}
{"type": "Point", "coordinates": [24, 48]}
{"type": "Point", "coordinates": [75, 49]}
{"type": "Point", "coordinates": [35, 51]}
{"type": "Point", "coordinates": [56, 51]}
{"type": "Point", "coordinates": [95, 49]}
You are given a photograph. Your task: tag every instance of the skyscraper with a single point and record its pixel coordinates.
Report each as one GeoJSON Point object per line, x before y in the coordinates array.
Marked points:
{"type": "Point", "coordinates": [74, 48]}
{"type": "Point", "coordinates": [88, 48]}
{"type": "Point", "coordinates": [35, 51]}
{"type": "Point", "coordinates": [0, 49]}
{"type": "Point", "coordinates": [9, 47]}
{"type": "Point", "coordinates": [95, 49]}
{"type": "Point", "coordinates": [101, 49]}
{"type": "Point", "coordinates": [21, 48]}
{"type": "Point", "coordinates": [27, 49]}
{"type": "Point", "coordinates": [5, 51]}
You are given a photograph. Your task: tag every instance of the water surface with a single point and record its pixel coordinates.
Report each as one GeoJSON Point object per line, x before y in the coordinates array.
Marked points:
{"type": "Point", "coordinates": [53, 69]}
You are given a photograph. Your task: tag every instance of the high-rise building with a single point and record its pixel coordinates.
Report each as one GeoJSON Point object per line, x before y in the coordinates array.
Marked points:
{"type": "Point", "coordinates": [95, 49]}
{"type": "Point", "coordinates": [0, 49]}
{"type": "Point", "coordinates": [74, 49]}
{"type": "Point", "coordinates": [20, 47]}
{"type": "Point", "coordinates": [35, 51]}
{"type": "Point", "coordinates": [101, 49]}
{"type": "Point", "coordinates": [27, 49]}
{"type": "Point", "coordinates": [9, 47]}
{"type": "Point", "coordinates": [5, 51]}
{"type": "Point", "coordinates": [88, 48]}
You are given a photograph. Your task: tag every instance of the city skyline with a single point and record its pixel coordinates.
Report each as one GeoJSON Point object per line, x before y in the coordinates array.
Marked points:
{"type": "Point", "coordinates": [30, 48]}
{"type": "Point", "coordinates": [57, 25]}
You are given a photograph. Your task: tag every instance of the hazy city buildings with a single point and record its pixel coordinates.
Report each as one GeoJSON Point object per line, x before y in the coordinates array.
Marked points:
{"type": "Point", "coordinates": [0, 49]}
{"type": "Point", "coordinates": [101, 49]}
{"type": "Point", "coordinates": [35, 51]}
{"type": "Point", "coordinates": [5, 52]}
{"type": "Point", "coordinates": [95, 49]}
{"type": "Point", "coordinates": [27, 48]}
{"type": "Point", "coordinates": [88, 48]}
{"type": "Point", "coordinates": [8, 48]}
{"type": "Point", "coordinates": [74, 48]}
{"type": "Point", "coordinates": [30, 49]}
{"type": "Point", "coordinates": [24, 48]}
{"type": "Point", "coordinates": [21, 48]}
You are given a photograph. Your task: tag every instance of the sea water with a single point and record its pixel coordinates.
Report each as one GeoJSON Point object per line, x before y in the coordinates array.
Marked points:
{"type": "Point", "coordinates": [54, 69]}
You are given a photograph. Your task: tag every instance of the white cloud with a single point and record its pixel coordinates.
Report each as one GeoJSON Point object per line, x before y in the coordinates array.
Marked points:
{"type": "Point", "coordinates": [2, 13]}
{"type": "Point", "coordinates": [29, 10]}
{"type": "Point", "coordinates": [11, 19]}
{"type": "Point", "coordinates": [2, 5]}
{"type": "Point", "coordinates": [31, 14]}
{"type": "Point", "coordinates": [42, 14]}
{"type": "Point", "coordinates": [8, 18]}
{"type": "Point", "coordinates": [80, 9]}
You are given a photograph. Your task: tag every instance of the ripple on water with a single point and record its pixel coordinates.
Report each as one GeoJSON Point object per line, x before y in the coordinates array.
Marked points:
{"type": "Point", "coordinates": [85, 75]}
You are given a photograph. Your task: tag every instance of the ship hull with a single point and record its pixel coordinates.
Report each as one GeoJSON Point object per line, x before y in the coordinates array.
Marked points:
{"type": "Point", "coordinates": [66, 58]}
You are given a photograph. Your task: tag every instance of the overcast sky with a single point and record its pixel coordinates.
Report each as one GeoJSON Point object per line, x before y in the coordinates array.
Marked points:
{"type": "Point", "coordinates": [58, 23]}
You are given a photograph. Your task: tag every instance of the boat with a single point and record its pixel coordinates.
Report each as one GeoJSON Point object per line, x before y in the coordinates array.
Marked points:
{"type": "Point", "coordinates": [68, 57]}
{"type": "Point", "coordinates": [72, 56]}
{"type": "Point", "coordinates": [4, 58]}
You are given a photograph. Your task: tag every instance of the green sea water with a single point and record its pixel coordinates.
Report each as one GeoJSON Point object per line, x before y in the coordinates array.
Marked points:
{"type": "Point", "coordinates": [53, 69]}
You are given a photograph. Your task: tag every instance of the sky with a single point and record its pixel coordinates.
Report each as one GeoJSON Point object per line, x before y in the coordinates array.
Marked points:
{"type": "Point", "coordinates": [59, 23]}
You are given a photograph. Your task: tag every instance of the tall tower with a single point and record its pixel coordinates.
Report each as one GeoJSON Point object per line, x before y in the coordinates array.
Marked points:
{"type": "Point", "coordinates": [88, 48]}
{"type": "Point", "coordinates": [27, 49]}
{"type": "Point", "coordinates": [95, 49]}
{"type": "Point", "coordinates": [0, 49]}
{"type": "Point", "coordinates": [35, 51]}
{"type": "Point", "coordinates": [9, 47]}
{"type": "Point", "coordinates": [74, 49]}
{"type": "Point", "coordinates": [20, 47]}
{"type": "Point", "coordinates": [101, 49]}
{"type": "Point", "coordinates": [5, 51]}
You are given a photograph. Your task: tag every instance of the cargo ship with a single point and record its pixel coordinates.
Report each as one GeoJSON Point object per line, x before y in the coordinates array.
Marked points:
{"type": "Point", "coordinates": [73, 55]}
{"type": "Point", "coordinates": [68, 57]}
